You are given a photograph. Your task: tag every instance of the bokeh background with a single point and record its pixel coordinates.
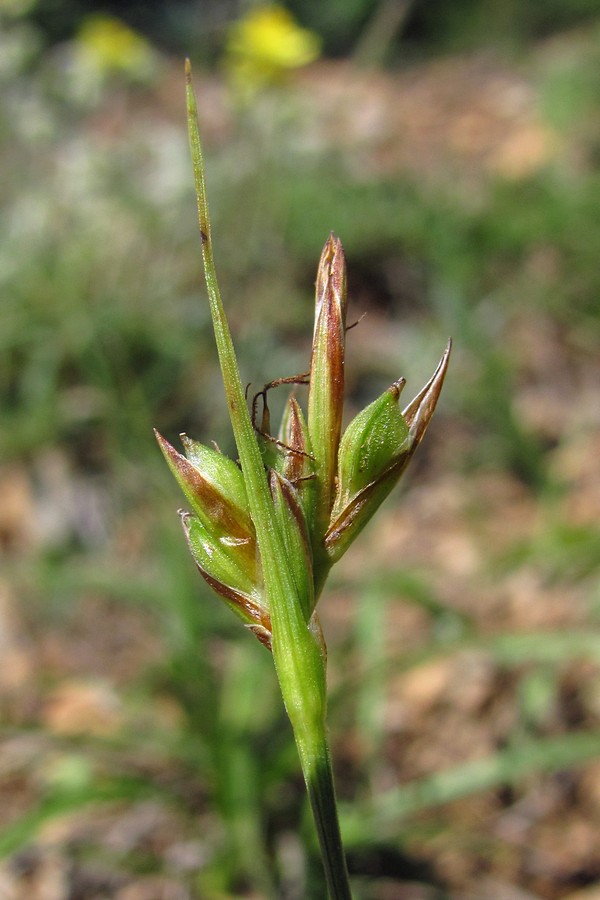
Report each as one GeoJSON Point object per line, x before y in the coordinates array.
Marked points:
{"type": "Point", "coordinates": [454, 145]}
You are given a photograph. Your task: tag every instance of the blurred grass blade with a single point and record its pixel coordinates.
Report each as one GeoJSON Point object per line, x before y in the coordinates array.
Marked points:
{"type": "Point", "coordinates": [24, 830]}
{"type": "Point", "coordinates": [387, 813]}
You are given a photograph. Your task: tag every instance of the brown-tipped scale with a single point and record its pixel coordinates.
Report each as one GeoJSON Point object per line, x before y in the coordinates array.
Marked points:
{"type": "Point", "coordinates": [326, 391]}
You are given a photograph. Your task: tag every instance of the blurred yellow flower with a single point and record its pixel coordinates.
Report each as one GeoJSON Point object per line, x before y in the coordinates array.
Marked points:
{"type": "Point", "coordinates": [264, 45]}
{"type": "Point", "coordinates": [106, 45]}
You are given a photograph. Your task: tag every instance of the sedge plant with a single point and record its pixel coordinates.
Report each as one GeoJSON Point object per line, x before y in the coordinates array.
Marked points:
{"type": "Point", "coordinates": [265, 532]}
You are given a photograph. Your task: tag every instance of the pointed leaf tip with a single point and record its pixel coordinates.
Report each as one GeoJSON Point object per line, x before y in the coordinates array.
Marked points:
{"type": "Point", "coordinates": [419, 411]}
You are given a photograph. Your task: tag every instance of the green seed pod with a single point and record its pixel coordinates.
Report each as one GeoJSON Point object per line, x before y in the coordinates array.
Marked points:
{"type": "Point", "coordinates": [223, 565]}
{"type": "Point", "coordinates": [220, 471]}
{"type": "Point", "coordinates": [214, 488]}
{"type": "Point", "coordinates": [374, 438]}
{"type": "Point", "coordinates": [375, 450]}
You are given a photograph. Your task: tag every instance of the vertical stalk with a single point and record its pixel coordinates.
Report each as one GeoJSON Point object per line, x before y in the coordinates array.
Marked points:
{"type": "Point", "coordinates": [318, 776]}
{"type": "Point", "coordinates": [299, 662]}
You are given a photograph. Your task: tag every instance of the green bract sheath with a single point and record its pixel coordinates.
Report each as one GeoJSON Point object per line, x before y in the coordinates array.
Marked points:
{"type": "Point", "coordinates": [292, 525]}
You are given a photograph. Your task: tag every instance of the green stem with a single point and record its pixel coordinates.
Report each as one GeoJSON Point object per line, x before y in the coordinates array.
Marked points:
{"type": "Point", "coordinates": [298, 658]}
{"type": "Point", "coordinates": [318, 775]}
